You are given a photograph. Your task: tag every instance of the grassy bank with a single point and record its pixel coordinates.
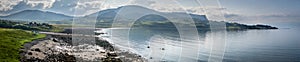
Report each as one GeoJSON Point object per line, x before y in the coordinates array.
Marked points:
{"type": "Point", "coordinates": [30, 26]}
{"type": "Point", "coordinates": [11, 40]}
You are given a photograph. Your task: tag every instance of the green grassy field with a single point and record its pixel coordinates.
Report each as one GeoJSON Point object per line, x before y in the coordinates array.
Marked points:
{"type": "Point", "coordinates": [11, 40]}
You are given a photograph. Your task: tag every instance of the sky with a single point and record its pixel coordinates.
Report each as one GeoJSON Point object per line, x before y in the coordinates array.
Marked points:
{"type": "Point", "coordinates": [284, 13]}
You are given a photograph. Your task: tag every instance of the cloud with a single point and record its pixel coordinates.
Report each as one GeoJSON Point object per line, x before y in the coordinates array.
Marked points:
{"type": "Point", "coordinates": [262, 18]}
{"type": "Point", "coordinates": [233, 17]}
{"type": "Point", "coordinates": [158, 5]}
{"type": "Point", "coordinates": [278, 15]}
{"type": "Point", "coordinates": [213, 12]}
{"type": "Point", "coordinates": [44, 3]}
{"type": "Point", "coordinates": [86, 7]}
{"type": "Point", "coordinates": [174, 6]}
{"type": "Point", "coordinates": [82, 4]}
{"type": "Point", "coordinates": [6, 5]}
{"type": "Point", "coordinates": [142, 2]}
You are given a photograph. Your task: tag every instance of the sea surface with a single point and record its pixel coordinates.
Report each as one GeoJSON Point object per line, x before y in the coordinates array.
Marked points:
{"type": "Point", "coordinates": [282, 45]}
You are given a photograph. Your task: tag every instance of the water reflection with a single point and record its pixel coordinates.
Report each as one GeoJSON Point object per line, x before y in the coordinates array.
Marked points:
{"type": "Point", "coordinates": [248, 45]}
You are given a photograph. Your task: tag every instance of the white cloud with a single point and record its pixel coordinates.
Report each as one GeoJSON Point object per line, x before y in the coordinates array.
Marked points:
{"type": "Point", "coordinates": [86, 7]}
{"type": "Point", "coordinates": [82, 4]}
{"type": "Point", "coordinates": [158, 5]}
{"type": "Point", "coordinates": [45, 3]}
{"type": "Point", "coordinates": [6, 5]}
{"type": "Point", "coordinates": [167, 7]}
{"type": "Point", "coordinates": [142, 2]}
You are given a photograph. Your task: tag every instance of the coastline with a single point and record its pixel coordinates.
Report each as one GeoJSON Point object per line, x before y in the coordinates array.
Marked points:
{"type": "Point", "coordinates": [59, 48]}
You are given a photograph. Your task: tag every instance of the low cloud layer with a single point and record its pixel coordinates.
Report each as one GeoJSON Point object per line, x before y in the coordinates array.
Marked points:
{"type": "Point", "coordinates": [86, 7]}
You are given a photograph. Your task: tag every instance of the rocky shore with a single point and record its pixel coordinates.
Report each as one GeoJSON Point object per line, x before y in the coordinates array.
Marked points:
{"type": "Point", "coordinates": [59, 48]}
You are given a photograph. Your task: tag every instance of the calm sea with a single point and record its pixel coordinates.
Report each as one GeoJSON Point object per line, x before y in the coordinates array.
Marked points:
{"type": "Point", "coordinates": [282, 45]}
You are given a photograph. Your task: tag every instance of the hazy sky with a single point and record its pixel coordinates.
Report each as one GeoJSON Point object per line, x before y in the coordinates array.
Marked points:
{"type": "Point", "coordinates": [279, 12]}
{"type": "Point", "coordinates": [276, 12]}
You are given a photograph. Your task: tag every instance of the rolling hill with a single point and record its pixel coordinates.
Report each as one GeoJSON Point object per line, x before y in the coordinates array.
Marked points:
{"type": "Point", "coordinates": [36, 15]}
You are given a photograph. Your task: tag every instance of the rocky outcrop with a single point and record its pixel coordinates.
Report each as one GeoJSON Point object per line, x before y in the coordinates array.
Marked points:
{"type": "Point", "coordinates": [56, 48]}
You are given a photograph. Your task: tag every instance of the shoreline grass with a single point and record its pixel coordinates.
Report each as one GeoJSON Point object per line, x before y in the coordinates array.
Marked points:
{"type": "Point", "coordinates": [11, 40]}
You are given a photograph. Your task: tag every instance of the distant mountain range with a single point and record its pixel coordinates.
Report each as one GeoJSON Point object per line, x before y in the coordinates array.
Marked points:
{"type": "Point", "coordinates": [106, 15]}
{"type": "Point", "coordinates": [36, 15]}
{"type": "Point", "coordinates": [106, 18]}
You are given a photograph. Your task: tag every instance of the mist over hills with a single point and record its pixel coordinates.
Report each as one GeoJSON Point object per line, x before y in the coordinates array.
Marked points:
{"type": "Point", "coordinates": [106, 15]}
